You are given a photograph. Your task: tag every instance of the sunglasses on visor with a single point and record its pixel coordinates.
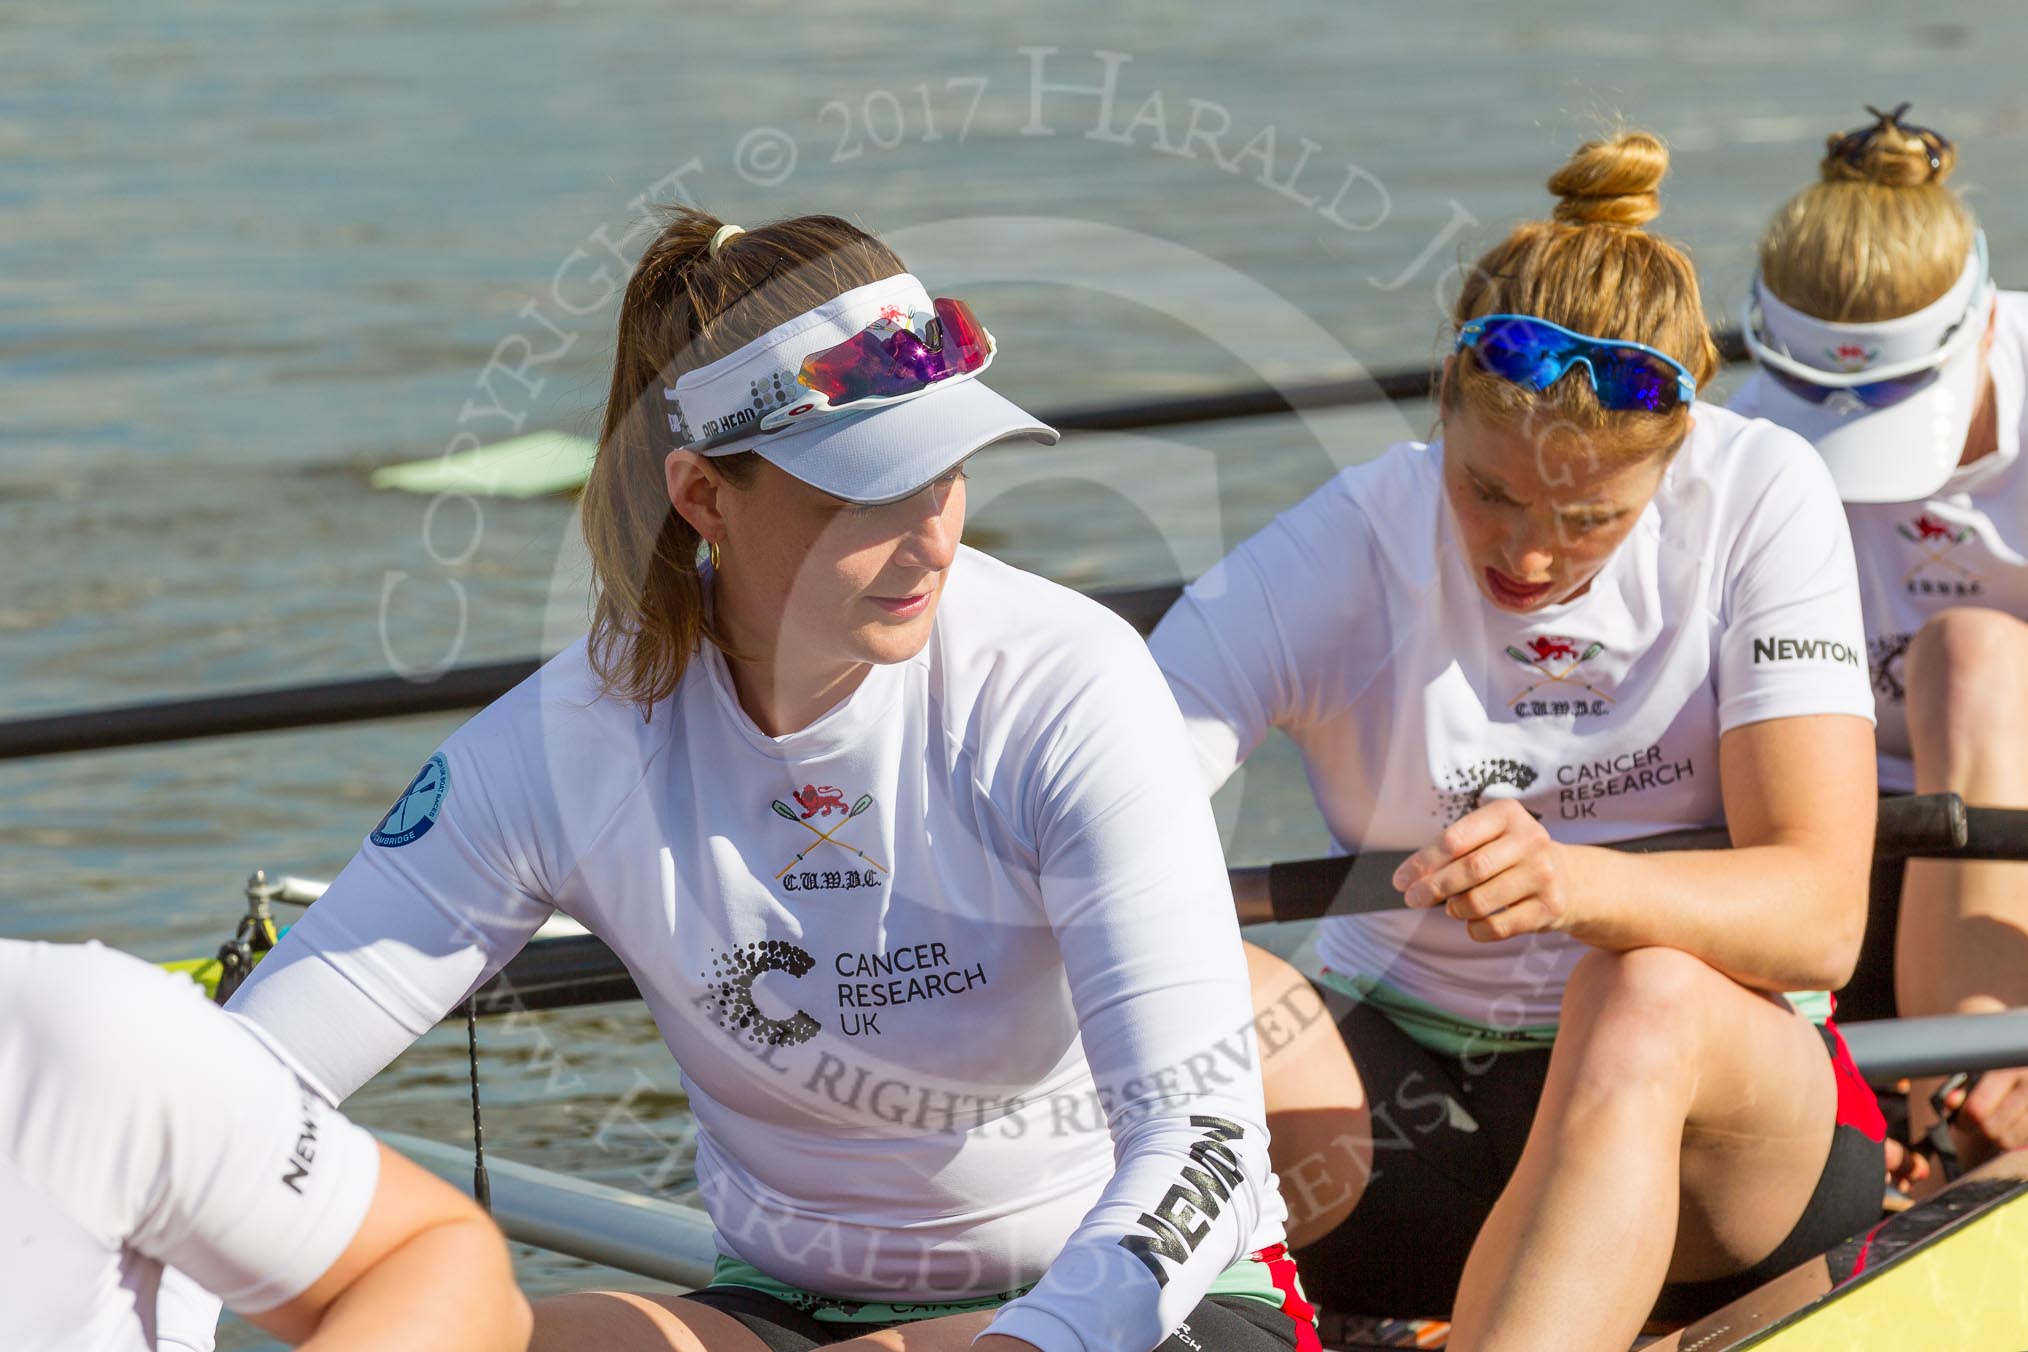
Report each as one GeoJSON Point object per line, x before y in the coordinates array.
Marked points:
{"type": "Point", "coordinates": [1534, 353]}
{"type": "Point", "coordinates": [894, 359]}
{"type": "Point", "coordinates": [1851, 147]}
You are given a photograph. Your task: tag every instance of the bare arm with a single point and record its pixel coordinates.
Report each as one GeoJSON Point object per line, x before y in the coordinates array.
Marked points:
{"type": "Point", "coordinates": [426, 1269]}
{"type": "Point", "coordinates": [1784, 910]}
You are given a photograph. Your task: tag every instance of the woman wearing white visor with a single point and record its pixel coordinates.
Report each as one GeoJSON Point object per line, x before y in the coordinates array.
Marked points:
{"type": "Point", "coordinates": [1882, 338]}
{"type": "Point", "coordinates": [896, 840]}
{"type": "Point", "coordinates": [1563, 1080]}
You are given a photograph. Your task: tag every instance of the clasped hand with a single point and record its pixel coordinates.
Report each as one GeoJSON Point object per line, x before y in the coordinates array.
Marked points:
{"type": "Point", "coordinates": [1497, 870]}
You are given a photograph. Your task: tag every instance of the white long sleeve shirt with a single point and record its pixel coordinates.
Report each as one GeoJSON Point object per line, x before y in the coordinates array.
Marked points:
{"type": "Point", "coordinates": [952, 974]}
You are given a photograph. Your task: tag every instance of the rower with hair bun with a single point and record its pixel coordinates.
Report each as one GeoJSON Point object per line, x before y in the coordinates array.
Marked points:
{"type": "Point", "coordinates": [1592, 609]}
{"type": "Point", "coordinates": [1882, 338]}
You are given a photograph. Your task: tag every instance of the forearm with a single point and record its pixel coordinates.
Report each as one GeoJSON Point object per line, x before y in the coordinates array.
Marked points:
{"type": "Point", "coordinates": [369, 970]}
{"type": "Point", "coordinates": [1779, 917]}
{"type": "Point", "coordinates": [403, 1300]}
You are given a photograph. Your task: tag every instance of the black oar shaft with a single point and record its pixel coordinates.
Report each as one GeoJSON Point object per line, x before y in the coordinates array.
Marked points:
{"type": "Point", "coordinates": [580, 969]}
{"type": "Point", "coordinates": [1992, 833]}
{"type": "Point", "coordinates": [350, 701]}
{"type": "Point", "coordinates": [336, 702]}
{"type": "Point", "coordinates": [1919, 826]}
{"type": "Point", "coordinates": [306, 706]}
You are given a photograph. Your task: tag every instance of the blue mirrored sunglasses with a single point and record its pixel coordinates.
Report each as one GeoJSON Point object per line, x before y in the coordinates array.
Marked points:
{"type": "Point", "coordinates": [1536, 353]}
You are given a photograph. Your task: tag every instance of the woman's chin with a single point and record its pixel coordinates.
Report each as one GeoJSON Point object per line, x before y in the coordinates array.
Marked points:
{"type": "Point", "coordinates": [890, 639]}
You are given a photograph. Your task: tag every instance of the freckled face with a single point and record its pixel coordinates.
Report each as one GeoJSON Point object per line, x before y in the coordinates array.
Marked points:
{"type": "Point", "coordinates": [1537, 522]}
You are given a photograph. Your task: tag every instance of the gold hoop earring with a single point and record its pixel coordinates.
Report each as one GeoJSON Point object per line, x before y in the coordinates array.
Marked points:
{"type": "Point", "coordinates": [711, 552]}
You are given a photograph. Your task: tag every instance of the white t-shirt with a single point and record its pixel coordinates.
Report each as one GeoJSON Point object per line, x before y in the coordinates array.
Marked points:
{"type": "Point", "coordinates": [139, 1126]}
{"type": "Point", "coordinates": [952, 974]}
{"type": "Point", "coordinates": [1966, 545]}
{"type": "Point", "coordinates": [1353, 624]}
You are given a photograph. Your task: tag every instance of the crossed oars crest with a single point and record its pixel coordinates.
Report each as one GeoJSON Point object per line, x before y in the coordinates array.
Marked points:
{"type": "Point", "coordinates": [1562, 677]}
{"type": "Point", "coordinates": [788, 813]}
{"type": "Point", "coordinates": [1929, 528]}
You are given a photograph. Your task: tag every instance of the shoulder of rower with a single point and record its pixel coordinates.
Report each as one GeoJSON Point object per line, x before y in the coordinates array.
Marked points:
{"type": "Point", "coordinates": [557, 745]}
{"type": "Point", "coordinates": [1017, 660]}
{"type": "Point", "coordinates": [1375, 522]}
{"type": "Point", "coordinates": [60, 998]}
{"type": "Point", "coordinates": [994, 617]}
{"type": "Point", "coordinates": [1730, 465]}
{"type": "Point", "coordinates": [1743, 487]}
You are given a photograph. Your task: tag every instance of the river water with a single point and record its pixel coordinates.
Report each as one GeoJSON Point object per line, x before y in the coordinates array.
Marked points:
{"type": "Point", "coordinates": [248, 253]}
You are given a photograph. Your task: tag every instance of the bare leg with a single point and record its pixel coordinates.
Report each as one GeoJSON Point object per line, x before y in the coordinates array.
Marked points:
{"type": "Point", "coordinates": [1658, 1153]}
{"type": "Point", "coordinates": [621, 1321]}
{"type": "Point", "coordinates": [625, 1321]}
{"type": "Point", "coordinates": [1320, 1135]}
{"type": "Point", "coordinates": [1963, 939]}
{"type": "Point", "coordinates": [953, 1333]}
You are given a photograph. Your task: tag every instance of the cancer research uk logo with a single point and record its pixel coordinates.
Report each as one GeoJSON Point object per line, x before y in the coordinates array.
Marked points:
{"type": "Point", "coordinates": [1558, 661]}
{"type": "Point", "coordinates": [1463, 790]}
{"type": "Point", "coordinates": [415, 812]}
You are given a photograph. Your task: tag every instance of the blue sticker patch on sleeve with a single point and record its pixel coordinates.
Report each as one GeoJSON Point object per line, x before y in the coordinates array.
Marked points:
{"type": "Point", "coordinates": [415, 812]}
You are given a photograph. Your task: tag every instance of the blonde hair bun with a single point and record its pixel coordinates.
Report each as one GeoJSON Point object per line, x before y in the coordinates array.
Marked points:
{"type": "Point", "coordinates": [1613, 181]}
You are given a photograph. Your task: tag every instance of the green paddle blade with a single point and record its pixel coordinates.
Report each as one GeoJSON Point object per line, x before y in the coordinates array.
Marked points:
{"type": "Point", "coordinates": [865, 801]}
{"type": "Point", "coordinates": [1593, 651]}
{"type": "Point", "coordinates": [1904, 532]}
{"type": "Point", "coordinates": [535, 466]}
{"type": "Point", "coordinates": [1517, 654]}
{"type": "Point", "coordinates": [784, 810]}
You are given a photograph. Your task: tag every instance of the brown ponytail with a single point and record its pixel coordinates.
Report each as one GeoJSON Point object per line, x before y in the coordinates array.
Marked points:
{"type": "Point", "coordinates": [684, 309]}
{"type": "Point", "coordinates": [1592, 268]}
{"type": "Point", "coordinates": [1879, 235]}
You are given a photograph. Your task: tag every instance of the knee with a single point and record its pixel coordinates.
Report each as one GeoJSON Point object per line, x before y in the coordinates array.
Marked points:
{"type": "Point", "coordinates": [1640, 980]}
{"type": "Point", "coordinates": [1967, 676]}
{"type": "Point", "coordinates": [1629, 1016]}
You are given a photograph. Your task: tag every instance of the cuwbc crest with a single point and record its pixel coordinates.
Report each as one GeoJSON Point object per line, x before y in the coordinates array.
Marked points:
{"type": "Point", "coordinates": [1546, 647]}
{"type": "Point", "coordinates": [818, 800]}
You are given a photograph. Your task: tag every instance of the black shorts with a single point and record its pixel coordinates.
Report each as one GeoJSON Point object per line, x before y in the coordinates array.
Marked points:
{"type": "Point", "coordinates": [1447, 1135]}
{"type": "Point", "coordinates": [1218, 1324]}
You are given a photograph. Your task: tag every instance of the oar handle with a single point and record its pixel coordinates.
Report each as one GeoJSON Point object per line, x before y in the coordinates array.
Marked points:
{"type": "Point", "coordinates": [1935, 825]}
{"type": "Point", "coordinates": [1927, 825]}
{"type": "Point", "coordinates": [1990, 833]}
